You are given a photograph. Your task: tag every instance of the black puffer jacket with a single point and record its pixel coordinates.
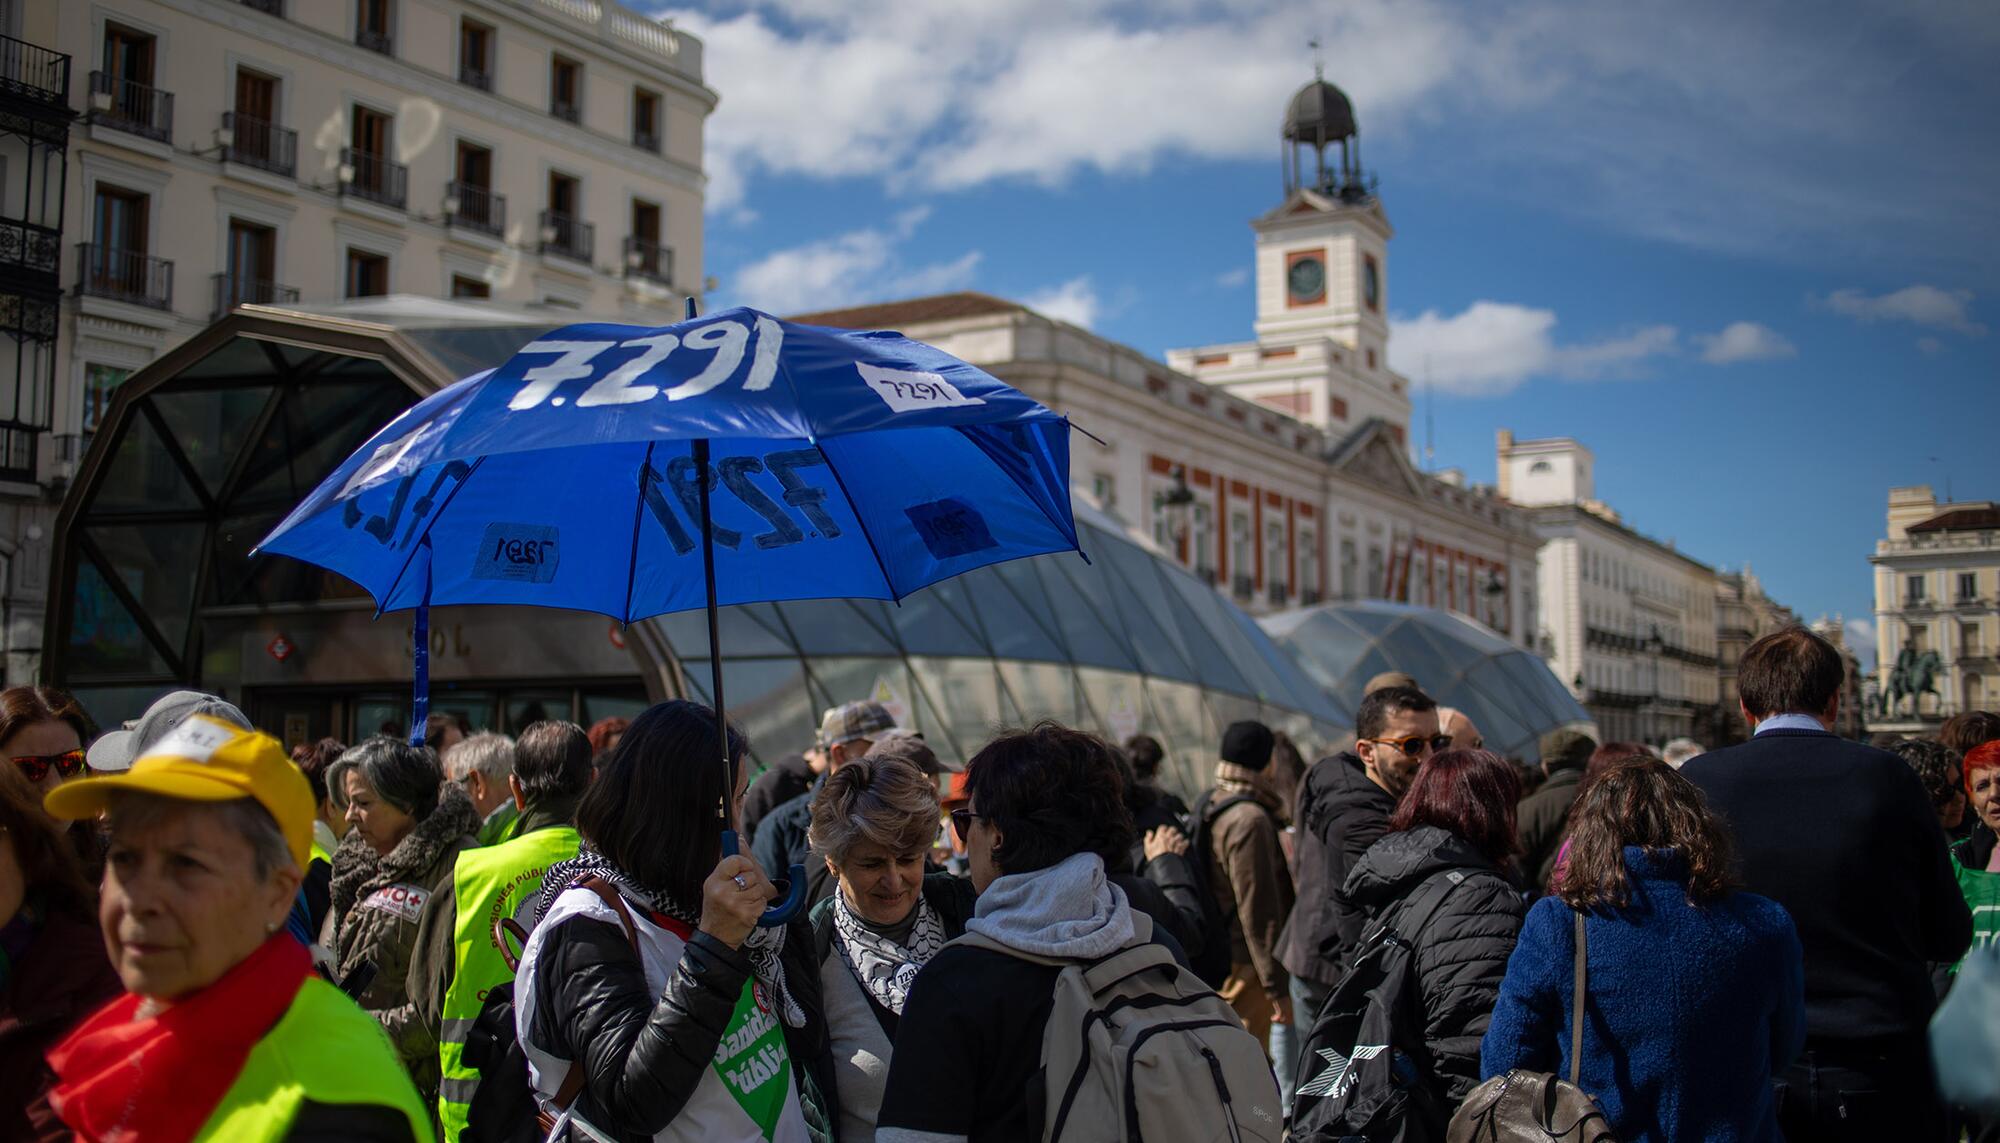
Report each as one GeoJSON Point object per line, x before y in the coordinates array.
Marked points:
{"type": "Point", "coordinates": [1462, 954]}
{"type": "Point", "coordinates": [1340, 813]}
{"type": "Point", "coordinates": [643, 1056]}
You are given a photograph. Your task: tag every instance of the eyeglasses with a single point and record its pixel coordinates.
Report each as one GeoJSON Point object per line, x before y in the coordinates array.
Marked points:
{"type": "Point", "coordinates": [35, 767]}
{"type": "Point", "coordinates": [1415, 744]}
{"type": "Point", "coordinates": [961, 822]}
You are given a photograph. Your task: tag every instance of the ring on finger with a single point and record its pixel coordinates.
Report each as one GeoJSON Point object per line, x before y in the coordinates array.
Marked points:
{"type": "Point", "coordinates": [740, 882]}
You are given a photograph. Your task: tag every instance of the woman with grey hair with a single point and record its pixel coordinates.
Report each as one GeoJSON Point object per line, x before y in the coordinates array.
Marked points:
{"type": "Point", "coordinates": [875, 820]}
{"type": "Point", "coordinates": [414, 824]}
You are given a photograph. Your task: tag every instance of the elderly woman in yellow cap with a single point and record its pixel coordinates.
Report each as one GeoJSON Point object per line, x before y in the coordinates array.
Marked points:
{"type": "Point", "coordinates": [224, 1031]}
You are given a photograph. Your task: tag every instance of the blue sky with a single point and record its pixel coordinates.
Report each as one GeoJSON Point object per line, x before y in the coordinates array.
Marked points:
{"type": "Point", "coordinates": [1747, 253]}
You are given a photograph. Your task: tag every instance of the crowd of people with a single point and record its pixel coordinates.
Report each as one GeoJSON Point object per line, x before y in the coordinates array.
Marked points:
{"type": "Point", "coordinates": [483, 937]}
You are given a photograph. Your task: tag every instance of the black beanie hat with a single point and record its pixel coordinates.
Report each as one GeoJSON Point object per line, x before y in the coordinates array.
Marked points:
{"type": "Point", "coordinates": [1248, 744]}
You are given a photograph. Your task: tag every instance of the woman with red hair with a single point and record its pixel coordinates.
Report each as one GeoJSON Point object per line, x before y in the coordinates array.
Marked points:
{"type": "Point", "coordinates": [1456, 822]}
{"type": "Point", "coordinates": [1977, 859]}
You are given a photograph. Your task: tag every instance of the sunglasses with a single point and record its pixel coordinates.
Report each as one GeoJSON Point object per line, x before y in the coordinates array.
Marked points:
{"type": "Point", "coordinates": [1416, 743]}
{"type": "Point", "coordinates": [35, 767]}
{"type": "Point", "coordinates": [961, 823]}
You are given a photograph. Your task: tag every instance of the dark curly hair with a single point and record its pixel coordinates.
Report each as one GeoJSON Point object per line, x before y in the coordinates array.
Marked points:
{"type": "Point", "coordinates": [1640, 801]}
{"type": "Point", "coordinates": [1937, 767]}
{"type": "Point", "coordinates": [1053, 792]}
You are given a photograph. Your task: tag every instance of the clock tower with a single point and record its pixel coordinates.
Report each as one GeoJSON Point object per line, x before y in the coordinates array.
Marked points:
{"type": "Point", "coordinates": [1322, 330]}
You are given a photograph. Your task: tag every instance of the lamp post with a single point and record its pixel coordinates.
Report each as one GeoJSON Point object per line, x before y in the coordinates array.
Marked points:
{"type": "Point", "coordinates": [1655, 647]}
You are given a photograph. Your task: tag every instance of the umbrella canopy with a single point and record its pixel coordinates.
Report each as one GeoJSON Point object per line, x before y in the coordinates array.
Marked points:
{"type": "Point", "coordinates": [841, 465]}
{"type": "Point", "coordinates": [1507, 691]}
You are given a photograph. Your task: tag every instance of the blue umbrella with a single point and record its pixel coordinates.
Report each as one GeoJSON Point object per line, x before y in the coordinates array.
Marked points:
{"type": "Point", "coordinates": [734, 458]}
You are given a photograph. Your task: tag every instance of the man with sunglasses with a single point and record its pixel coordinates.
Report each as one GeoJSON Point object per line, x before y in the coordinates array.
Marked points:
{"type": "Point", "coordinates": [1343, 808]}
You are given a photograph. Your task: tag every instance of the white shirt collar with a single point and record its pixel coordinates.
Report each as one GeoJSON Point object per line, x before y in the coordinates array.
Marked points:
{"type": "Point", "coordinates": [1791, 722]}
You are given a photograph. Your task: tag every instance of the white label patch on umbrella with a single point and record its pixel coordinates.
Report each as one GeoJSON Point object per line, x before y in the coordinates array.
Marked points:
{"type": "Point", "coordinates": [907, 390]}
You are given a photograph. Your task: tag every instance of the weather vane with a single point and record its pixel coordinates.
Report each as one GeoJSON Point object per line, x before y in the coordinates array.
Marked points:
{"type": "Point", "coordinates": [1319, 63]}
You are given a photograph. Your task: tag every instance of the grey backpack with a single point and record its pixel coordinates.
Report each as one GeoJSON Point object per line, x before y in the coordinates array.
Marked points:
{"type": "Point", "coordinates": [1138, 1048]}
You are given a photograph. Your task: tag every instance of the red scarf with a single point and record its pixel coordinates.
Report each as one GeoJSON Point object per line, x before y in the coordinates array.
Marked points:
{"type": "Point", "coordinates": [157, 1079]}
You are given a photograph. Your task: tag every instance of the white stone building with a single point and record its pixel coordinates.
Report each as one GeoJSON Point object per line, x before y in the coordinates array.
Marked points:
{"type": "Point", "coordinates": [1627, 621]}
{"type": "Point", "coordinates": [1278, 502]}
{"type": "Point", "coordinates": [544, 152]}
{"type": "Point", "coordinates": [1937, 607]}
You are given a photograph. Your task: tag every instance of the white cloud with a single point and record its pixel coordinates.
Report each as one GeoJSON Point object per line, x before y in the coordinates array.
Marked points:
{"type": "Point", "coordinates": [1923, 305]}
{"type": "Point", "coordinates": [1231, 279]}
{"type": "Point", "coordinates": [860, 265]}
{"type": "Point", "coordinates": [1859, 633]}
{"type": "Point", "coordinates": [1744, 341]}
{"type": "Point", "coordinates": [1074, 301]}
{"type": "Point", "coordinates": [1492, 347]}
{"type": "Point", "coordinates": [1711, 123]}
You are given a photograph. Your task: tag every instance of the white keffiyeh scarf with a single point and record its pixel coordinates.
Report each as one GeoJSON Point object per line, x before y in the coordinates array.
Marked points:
{"type": "Point", "coordinates": [885, 968]}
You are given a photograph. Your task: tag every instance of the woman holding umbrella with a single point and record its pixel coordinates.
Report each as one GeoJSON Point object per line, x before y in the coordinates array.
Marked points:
{"type": "Point", "coordinates": [649, 1000]}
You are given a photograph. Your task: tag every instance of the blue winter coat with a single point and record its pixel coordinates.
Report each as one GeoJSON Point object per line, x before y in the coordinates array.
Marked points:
{"type": "Point", "coordinates": [1692, 1009]}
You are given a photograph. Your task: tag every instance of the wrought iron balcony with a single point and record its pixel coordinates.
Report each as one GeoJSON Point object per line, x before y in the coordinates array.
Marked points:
{"type": "Point", "coordinates": [475, 77]}
{"type": "Point", "coordinates": [647, 141]}
{"type": "Point", "coordinates": [475, 207]}
{"type": "Point", "coordinates": [647, 259]}
{"type": "Point", "coordinates": [34, 73]}
{"type": "Point", "coordinates": [1309, 596]}
{"type": "Point", "coordinates": [25, 246]}
{"type": "Point", "coordinates": [144, 111]}
{"type": "Point", "coordinates": [1277, 593]}
{"type": "Point", "coordinates": [1206, 575]}
{"type": "Point", "coordinates": [566, 236]}
{"type": "Point", "coordinates": [268, 7]}
{"type": "Point", "coordinates": [1242, 587]}
{"type": "Point", "coordinates": [374, 178]}
{"type": "Point", "coordinates": [232, 291]}
{"type": "Point", "coordinates": [255, 143]}
{"type": "Point", "coordinates": [566, 111]}
{"type": "Point", "coordinates": [375, 41]}
{"type": "Point", "coordinates": [124, 276]}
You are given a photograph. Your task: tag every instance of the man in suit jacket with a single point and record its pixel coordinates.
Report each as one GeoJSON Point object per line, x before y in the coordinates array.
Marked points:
{"type": "Point", "coordinates": [1842, 835]}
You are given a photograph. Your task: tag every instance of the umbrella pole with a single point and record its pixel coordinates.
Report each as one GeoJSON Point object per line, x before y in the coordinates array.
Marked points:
{"type": "Point", "coordinates": [714, 639]}
{"type": "Point", "coordinates": [420, 652]}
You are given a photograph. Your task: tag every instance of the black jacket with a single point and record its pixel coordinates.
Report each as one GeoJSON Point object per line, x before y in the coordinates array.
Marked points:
{"type": "Point", "coordinates": [1462, 954]}
{"type": "Point", "coordinates": [1542, 821]}
{"type": "Point", "coordinates": [1341, 812]}
{"type": "Point", "coordinates": [644, 1055]}
{"type": "Point", "coordinates": [1843, 836]}
{"type": "Point", "coordinates": [790, 777]}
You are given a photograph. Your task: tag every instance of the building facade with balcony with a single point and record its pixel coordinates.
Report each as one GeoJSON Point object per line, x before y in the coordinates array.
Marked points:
{"type": "Point", "coordinates": [1275, 502]}
{"type": "Point", "coordinates": [36, 85]}
{"type": "Point", "coordinates": [540, 152]}
{"type": "Point", "coordinates": [1937, 610]}
{"type": "Point", "coordinates": [1743, 615]}
{"type": "Point", "coordinates": [1628, 622]}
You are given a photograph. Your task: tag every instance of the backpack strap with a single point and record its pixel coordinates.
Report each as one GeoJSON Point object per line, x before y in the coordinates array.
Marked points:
{"type": "Point", "coordinates": [1415, 916]}
{"type": "Point", "coordinates": [573, 1080]}
{"type": "Point", "coordinates": [1576, 1002]}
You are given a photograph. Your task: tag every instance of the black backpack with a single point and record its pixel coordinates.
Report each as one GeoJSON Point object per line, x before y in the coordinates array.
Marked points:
{"type": "Point", "coordinates": [504, 1108]}
{"type": "Point", "coordinates": [1364, 1071]}
{"type": "Point", "coordinates": [1214, 963]}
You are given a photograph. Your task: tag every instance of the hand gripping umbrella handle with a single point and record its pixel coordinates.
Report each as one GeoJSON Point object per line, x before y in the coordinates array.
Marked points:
{"type": "Point", "coordinates": [795, 889]}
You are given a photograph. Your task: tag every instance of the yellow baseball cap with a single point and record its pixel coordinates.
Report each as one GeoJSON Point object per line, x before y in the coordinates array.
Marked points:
{"type": "Point", "coordinates": [205, 760]}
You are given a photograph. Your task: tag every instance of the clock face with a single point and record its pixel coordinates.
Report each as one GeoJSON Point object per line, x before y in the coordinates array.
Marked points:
{"type": "Point", "coordinates": [1306, 278]}
{"type": "Point", "coordinates": [1371, 284]}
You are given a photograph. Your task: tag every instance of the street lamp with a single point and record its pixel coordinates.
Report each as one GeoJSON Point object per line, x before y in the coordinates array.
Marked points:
{"type": "Point", "coordinates": [1175, 504]}
{"type": "Point", "coordinates": [1655, 647]}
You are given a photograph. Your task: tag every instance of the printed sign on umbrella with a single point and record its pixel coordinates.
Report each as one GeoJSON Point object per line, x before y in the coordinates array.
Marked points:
{"type": "Point", "coordinates": [734, 458]}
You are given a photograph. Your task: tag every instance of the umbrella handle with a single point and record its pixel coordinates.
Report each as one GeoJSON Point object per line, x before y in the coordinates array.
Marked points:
{"type": "Point", "coordinates": [795, 892]}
